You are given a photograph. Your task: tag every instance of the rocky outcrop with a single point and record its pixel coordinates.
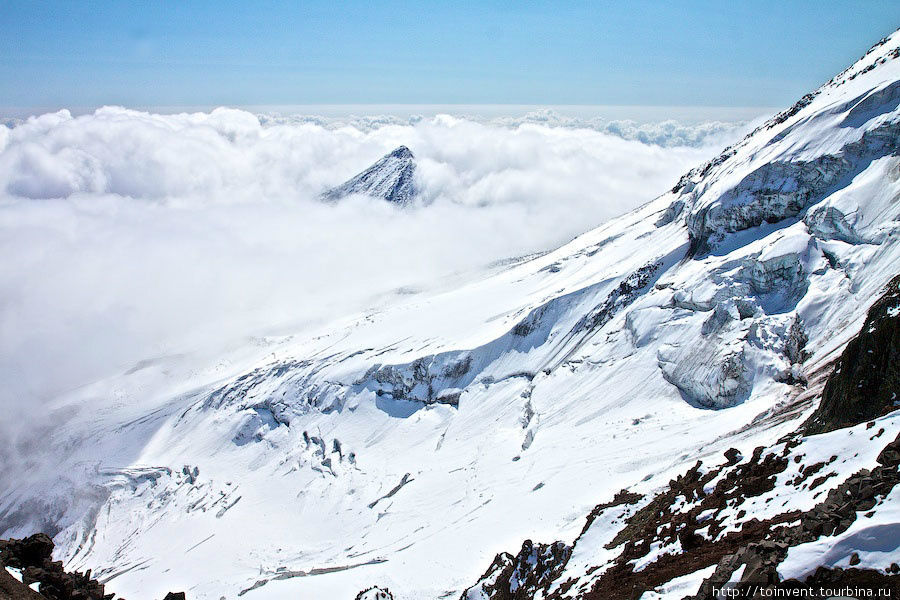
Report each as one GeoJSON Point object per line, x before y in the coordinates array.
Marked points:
{"type": "Point", "coordinates": [31, 558]}
{"type": "Point", "coordinates": [857, 495]}
{"type": "Point", "coordinates": [520, 577]}
{"type": "Point", "coordinates": [375, 593]}
{"type": "Point", "coordinates": [620, 297]}
{"type": "Point", "coordinates": [854, 579]}
{"type": "Point", "coordinates": [681, 530]}
{"type": "Point", "coordinates": [13, 589]}
{"type": "Point", "coordinates": [865, 382]}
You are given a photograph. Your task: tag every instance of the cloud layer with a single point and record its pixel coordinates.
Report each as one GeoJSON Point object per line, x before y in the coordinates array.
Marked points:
{"type": "Point", "coordinates": [128, 235]}
{"type": "Point", "coordinates": [667, 133]}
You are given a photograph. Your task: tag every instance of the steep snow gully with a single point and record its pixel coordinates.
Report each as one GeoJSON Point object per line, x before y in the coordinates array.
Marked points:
{"type": "Point", "coordinates": [662, 364]}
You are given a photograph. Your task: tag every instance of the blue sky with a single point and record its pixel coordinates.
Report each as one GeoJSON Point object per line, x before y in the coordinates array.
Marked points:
{"type": "Point", "coordinates": [733, 53]}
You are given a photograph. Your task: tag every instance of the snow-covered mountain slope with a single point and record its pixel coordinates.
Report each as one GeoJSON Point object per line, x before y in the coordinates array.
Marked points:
{"type": "Point", "coordinates": [391, 178]}
{"type": "Point", "coordinates": [821, 505]}
{"type": "Point", "coordinates": [405, 447]}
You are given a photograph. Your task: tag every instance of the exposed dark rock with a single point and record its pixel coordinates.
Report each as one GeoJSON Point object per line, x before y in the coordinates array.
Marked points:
{"type": "Point", "coordinates": [855, 583]}
{"type": "Point", "coordinates": [623, 295]}
{"type": "Point", "coordinates": [866, 379]}
{"type": "Point", "coordinates": [30, 551]}
{"type": "Point", "coordinates": [733, 456]}
{"type": "Point", "coordinates": [32, 555]}
{"type": "Point", "coordinates": [657, 522]}
{"type": "Point", "coordinates": [13, 589]}
{"type": "Point", "coordinates": [758, 545]}
{"type": "Point", "coordinates": [520, 577]}
{"type": "Point", "coordinates": [621, 497]}
{"type": "Point", "coordinates": [832, 516]}
{"type": "Point", "coordinates": [375, 593]}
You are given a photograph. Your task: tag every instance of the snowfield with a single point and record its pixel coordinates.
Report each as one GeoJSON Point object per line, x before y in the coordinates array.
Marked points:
{"type": "Point", "coordinates": [406, 446]}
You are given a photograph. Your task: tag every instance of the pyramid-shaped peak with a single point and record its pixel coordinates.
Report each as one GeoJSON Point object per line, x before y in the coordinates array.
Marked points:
{"type": "Point", "coordinates": [402, 152]}
{"type": "Point", "coordinates": [390, 178]}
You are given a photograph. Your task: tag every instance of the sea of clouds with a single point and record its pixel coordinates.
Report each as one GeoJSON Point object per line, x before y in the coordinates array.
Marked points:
{"type": "Point", "coordinates": [667, 133]}
{"type": "Point", "coordinates": [128, 235]}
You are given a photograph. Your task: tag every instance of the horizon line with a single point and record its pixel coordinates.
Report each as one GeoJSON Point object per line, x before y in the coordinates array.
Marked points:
{"type": "Point", "coordinates": [299, 108]}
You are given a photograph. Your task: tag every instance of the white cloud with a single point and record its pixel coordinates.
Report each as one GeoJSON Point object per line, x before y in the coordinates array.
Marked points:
{"type": "Point", "coordinates": [127, 235]}
{"type": "Point", "coordinates": [666, 133]}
